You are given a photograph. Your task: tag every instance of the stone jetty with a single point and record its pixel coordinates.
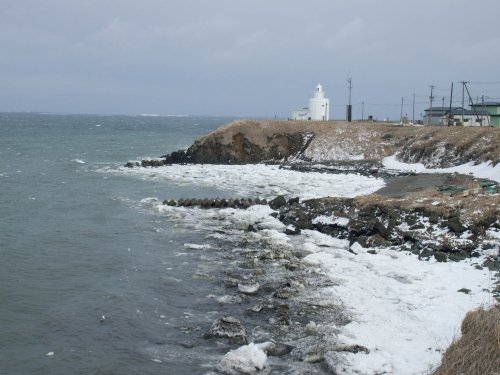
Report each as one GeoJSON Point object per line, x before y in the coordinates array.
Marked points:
{"type": "Point", "coordinates": [242, 203]}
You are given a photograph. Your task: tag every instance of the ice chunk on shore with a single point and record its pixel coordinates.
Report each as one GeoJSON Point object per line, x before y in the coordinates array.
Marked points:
{"type": "Point", "coordinates": [259, 180]}
{"type": "Point", "coordinates": [248, 359]}
{"type": "Point", "coordinates": [194, 246]}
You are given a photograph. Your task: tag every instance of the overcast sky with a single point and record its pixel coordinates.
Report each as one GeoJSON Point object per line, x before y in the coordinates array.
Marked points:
{"type": "Point", "coordinates": [242, 57]}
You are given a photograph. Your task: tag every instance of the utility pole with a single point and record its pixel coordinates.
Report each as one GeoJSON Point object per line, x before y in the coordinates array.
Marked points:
{"type": "Point", "coordinates": [430, 106]}
{"type": "Point", "coordinates": [471, 104]}
{"type": "Point", "coordinates": [463, 99]}
{"type": "Point", "coordinates": [401, 115]}
{"type": "Point", "coordinates": [450, 115]}
{"type": "Point", "coordinates": [362, 111]}
{"type": "Point", "coordinates": [442, 122]}
{"type": "Point", "coordinates": [413, 113]}
{"type": "Point", "coordinates": [349, 106]}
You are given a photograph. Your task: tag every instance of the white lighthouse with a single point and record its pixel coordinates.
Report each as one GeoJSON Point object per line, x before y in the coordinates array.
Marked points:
{"type": "Point", "coordinates": [318, 110]}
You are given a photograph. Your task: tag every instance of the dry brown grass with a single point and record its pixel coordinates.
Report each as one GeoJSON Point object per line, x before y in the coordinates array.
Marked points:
{"type": "Point", "coordinates": [377, 140]}
{"type": "Point", "coordinates": [477, 351]}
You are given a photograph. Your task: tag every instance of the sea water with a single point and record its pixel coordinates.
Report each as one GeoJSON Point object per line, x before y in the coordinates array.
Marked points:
{"type": "Point", "coordinates": [96, 275]}
{"type": "Point", "coordinates": [91, 280]}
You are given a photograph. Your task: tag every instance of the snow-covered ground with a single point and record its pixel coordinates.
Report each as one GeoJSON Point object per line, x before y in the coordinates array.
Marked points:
{"type": "Point", "coordinates": [482, 170]}
{"type": "Point", "coordinates": [405, 311]}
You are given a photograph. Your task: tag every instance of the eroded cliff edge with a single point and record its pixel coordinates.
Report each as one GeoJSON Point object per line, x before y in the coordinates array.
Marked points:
{"type": "Point", "coordinates": [247, 141]}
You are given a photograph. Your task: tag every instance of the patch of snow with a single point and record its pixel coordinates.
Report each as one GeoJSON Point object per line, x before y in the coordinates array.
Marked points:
{"type": "Point", "coordinates": [327, 149]}
{"type": "Point", "coordinates": [493, 233]}
{"type": "Point", "coordinates": [483, 170]}
{"type": "Point", "coordinates": [331, 220]}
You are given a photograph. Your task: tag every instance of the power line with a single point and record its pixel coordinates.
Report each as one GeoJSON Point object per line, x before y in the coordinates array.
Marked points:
{"type": "Point", "coordinates": [485, 83]}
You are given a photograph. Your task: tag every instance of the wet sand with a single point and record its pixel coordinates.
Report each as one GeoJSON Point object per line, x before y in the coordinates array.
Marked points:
{"type": "Point", "coordinates": [399, 187]}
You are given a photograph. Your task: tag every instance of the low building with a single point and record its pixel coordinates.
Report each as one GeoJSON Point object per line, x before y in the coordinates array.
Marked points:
{"type": "Point", "coordinates": [467, 117]}
{"type": "Point", "coordinates": [318, 110]}
{"type": "Point", "coordinates": [301, 114]}
{"type": "Point", "coordinates": [493, 109]}
{"type": "Point", "coordinates": [434, 115]}
{"type": "Point", "coordinates": [459, 116]}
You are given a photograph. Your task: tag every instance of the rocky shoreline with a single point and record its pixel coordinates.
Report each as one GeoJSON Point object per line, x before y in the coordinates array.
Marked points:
{"type": "Point", "coordinates": [280, 296]}
{"type": "Point", "coordinates": [434, 226]}
{"type": "Point", "coordinates": [443, 218]}
{"type": "Point", "coordinates": [279, 312]}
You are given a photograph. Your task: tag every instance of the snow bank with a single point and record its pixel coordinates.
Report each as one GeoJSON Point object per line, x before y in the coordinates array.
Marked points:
{"type": "Point", "coordinates": [404, 310]}
{"type": "Point", "coordinates": [483, 170]}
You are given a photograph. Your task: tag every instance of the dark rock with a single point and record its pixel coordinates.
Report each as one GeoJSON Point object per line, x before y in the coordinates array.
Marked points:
{"type": "Point", "coordinates": [152, 163]}
{"type": "Point", "coordinates": [493, 264]}
{"type": "Point", "coordinates": [376, 241]}
{"type": "Point", "coordinates": [440, 256]}
{"type": "Point", "coordinates": [464, 290]}
{"type": "Point", "coordinates": [176, 157]}
{"type": "Point", "coordinates": [352, 349]}
{"type": "Point", "coordinates": [293, 200]}
{"type": "Point", "coordinates": [379, 227]}
{"type": "Point", "coordinates": [227, 327]}
{"type": "Point", "coordinates": [425, 254]}
{"type": "Point", "coordinates": [417, 226]}
{"type": "Point", "coordinates": [454, 225]}
{"type": "Point", "coordinates": [362, 240]}
{"type": "Point", "coordinates": [277, 202]}
{"type": "Point", "coordinates": [246, 203]}
{"type": "Point", "coordinates": [282, 316]}
{"type": "Point", "coordinates": [433, 218]}
{"type": "Point", "coordinates": [279, 349]}
{"type": "Point", "coordinates": [456, 257]}
{"type": "Point", "coordinates": [187, 344]}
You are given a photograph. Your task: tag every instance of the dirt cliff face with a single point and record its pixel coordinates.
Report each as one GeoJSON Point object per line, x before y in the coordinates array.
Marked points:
{"type": "Point", "coordinates": [245, 142]}
{"type": "Point", "coordinates": [276, 141]}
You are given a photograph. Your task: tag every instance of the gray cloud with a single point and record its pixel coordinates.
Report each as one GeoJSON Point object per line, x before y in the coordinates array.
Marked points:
{"type": "Point", "coordinates": [257, 58]}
